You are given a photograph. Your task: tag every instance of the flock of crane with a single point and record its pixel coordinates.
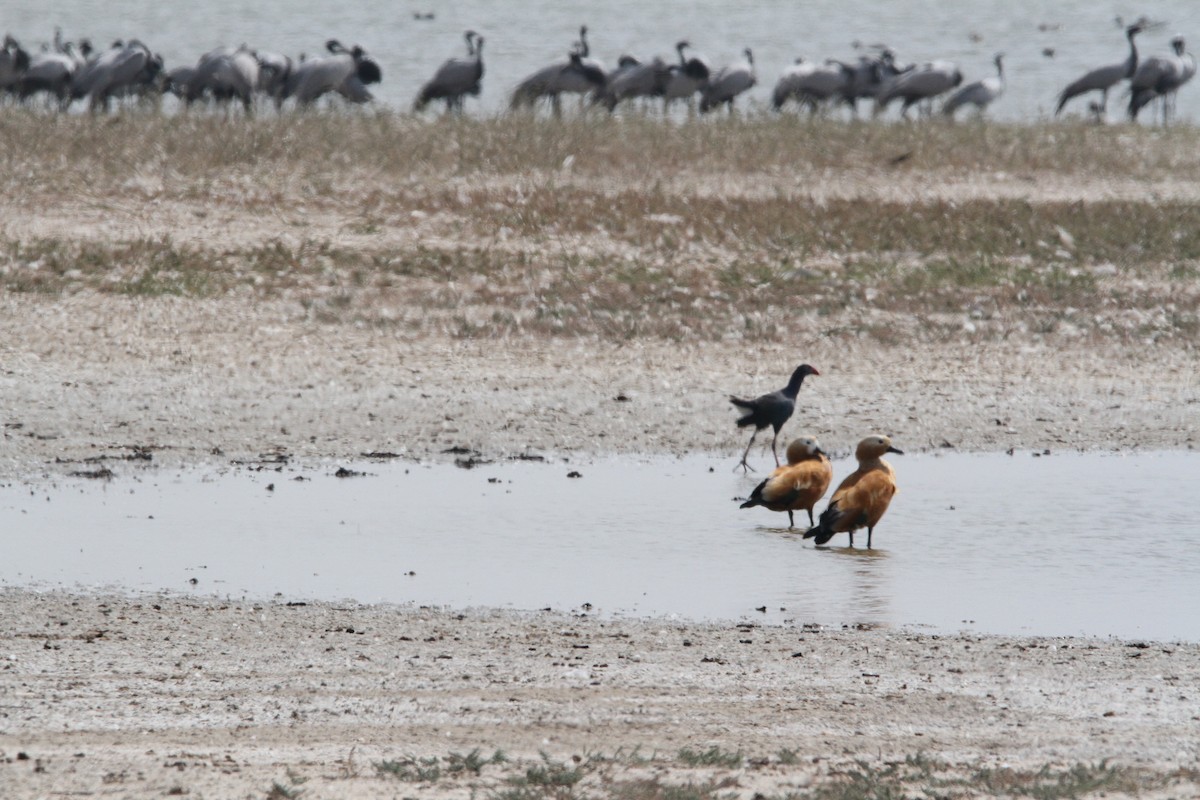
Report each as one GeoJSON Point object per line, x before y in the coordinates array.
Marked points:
{"type": "Point", "coordinates": [67, 72]}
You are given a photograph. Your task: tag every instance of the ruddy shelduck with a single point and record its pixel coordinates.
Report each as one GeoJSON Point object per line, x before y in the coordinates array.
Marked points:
{"type": "Point", "coordinates": [799, 484]}
{"type": "Point", "coordinates": [862, 498]}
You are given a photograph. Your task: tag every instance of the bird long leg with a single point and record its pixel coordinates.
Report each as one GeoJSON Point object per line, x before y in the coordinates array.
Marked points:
{"type": "Point", "coordinates": [743, 463]}
{"type": "Point", "coordinates": [869, 532]}
{"type": "Point", "coordinates": [775, 452]}
{"type": "Point", "coordinates": [1103, 101]}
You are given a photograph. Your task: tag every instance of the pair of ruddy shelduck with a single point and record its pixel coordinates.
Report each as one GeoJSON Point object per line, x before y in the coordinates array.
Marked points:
{"type": "Point", "coordinates": [858, 502]}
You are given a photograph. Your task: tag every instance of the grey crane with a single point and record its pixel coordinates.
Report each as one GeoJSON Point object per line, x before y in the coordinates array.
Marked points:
{"type": "Point", "coordinates": [14, 61]}
{"type": "Point", "coordinates": [981, 93]}
{"type": "Point", "coordinates": [810, 84]}
{"type": "Point", "coordinates": [585, 53]}
{"type": "Point", "coordinates": [122, 69]}
{"type": "Point", "coordinates": [633, 79]}
{"type": "Point", "coordinates": [455, 78]}
{"type": "Point", "coordinates": [728, 83]}
{"type": "Point", "coordinates": [52, 71]}
{"type": "Point", "coordinates": [346, 71]}
{"type": "Point", "coordinates": [625, 65]}
{"type": "Point", "coordinates": [177, 80]}
{"type": "Point", "coordinates": [225, 74]}
{"type": "Point", "coordinates": [275, 69]}
{"type": "Point", "coordinates": [686, 78]}
{"type": "Point", "coordinates": [1102, 79]}
{"type": "Point", "coordinates": [866, 76]}
{"type": "Point", "coordinates": [575, 76]}
{"type": "Point", "coordinates": [579, 74]}
{"type": "Point", "coordinates": [1161, 77]}
{"type": "Point", "coordinates": [919, 85]}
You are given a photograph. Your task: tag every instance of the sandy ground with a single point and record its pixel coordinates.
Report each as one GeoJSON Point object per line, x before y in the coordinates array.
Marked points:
{"type": "Point", "coordinates": [89, 376]}
{"type": "Point", "coordinates": [154, 696]}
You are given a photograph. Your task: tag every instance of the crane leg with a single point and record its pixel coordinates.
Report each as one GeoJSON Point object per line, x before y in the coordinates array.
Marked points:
{"type": "Point", "coordinates": [775, 452]}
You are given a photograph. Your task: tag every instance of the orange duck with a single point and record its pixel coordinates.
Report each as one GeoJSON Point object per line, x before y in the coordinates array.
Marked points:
{"type": "Point", "coordinates": [799, 484]}
{"type": "Point", "coordinates": [862, 498]}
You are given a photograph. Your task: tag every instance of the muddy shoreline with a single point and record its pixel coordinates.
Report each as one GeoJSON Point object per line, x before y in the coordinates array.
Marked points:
{"type": "Point", "coordinates": [90, 378]}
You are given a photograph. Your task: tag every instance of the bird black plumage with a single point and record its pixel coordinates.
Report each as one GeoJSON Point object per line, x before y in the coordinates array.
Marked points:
{"type": "Point", "coordinates": [773, 409]}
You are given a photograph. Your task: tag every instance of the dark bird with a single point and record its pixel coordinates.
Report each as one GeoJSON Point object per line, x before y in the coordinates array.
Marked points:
{"type": "Point", "coordinates": [580, 74]}
{"type": "Point", "coordinates": [346, 71]}
{"type": "Point", "coordinates": [728, 82]}
{"type": "Point", "coordinates": [1161, 77]}
{"type": "Point", "coordinates": [772, 409]}
{"type": "Point", "coordinates": [1103, 78]}
{"type": "Point", "coordinates": [14, 61]}
{"type": "Point", "coordinates": [687, 77]}
{"type": "Point", "coordinates": [797, 485]}
{"type": "Point", "coordinates": [918, 86]}
{"type": "Point", "coordinates": [862, 498]}
{"type": "Point", "coordinates": [456, 77]}
{"type": "Point", "coordinates": [981, 93]}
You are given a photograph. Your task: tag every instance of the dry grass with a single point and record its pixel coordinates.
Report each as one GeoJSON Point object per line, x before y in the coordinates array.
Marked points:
{"type": "Point", "coordinates": [623, 228]}
{"type": "Point", "coordinates": [717, 774]}
{"type": "Point", "coordinates": [397, 146]}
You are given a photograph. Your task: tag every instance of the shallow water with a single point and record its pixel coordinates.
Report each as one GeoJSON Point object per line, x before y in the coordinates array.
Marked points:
{"type": "Point", "coordinates": [523, 37]}
{"type": "Point", "coordinates": [1057, 545]}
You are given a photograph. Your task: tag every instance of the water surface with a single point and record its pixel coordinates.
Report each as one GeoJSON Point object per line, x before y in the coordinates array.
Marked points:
{"type": "Point", "coordinates": [1059, 545]}
{"type": "Point", "coordinates": [524, 36]}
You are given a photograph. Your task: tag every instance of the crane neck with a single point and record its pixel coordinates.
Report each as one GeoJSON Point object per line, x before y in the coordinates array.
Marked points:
{"type": "Point", "coordinates": [1132, 62]}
